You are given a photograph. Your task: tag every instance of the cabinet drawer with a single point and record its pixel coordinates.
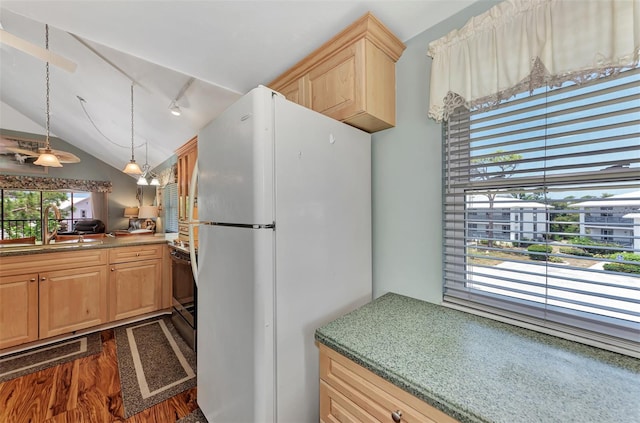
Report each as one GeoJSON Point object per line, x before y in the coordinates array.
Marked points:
{"type": "Point", "coordinates": [68, 259]}
{"type": "Point", "coordinates": [335, 407]}
{"type": "Point", "coordinates": [372, 394]}
{"type": "Point", "coordinates": [139, 252]}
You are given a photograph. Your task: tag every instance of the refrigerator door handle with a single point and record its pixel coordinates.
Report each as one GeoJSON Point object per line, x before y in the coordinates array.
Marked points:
{"type": "Point", "coordinates": [192, 201]}
{"type": "Point", "coordinates": [242, 225]}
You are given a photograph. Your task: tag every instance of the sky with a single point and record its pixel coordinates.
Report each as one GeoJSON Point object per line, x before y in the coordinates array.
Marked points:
{"type": "Point", "coordinates": [588, 128]}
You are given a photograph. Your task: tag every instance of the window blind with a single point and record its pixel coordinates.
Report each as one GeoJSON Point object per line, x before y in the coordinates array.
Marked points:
{"type": "Point", "coordinates": [541, 216]}
{"type": "Point", "coordinates": [171, 207]}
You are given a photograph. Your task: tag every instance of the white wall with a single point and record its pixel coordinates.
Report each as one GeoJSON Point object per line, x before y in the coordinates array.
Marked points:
{"type": "Point", "coordinates": [12, 119]}
{"type": "Point", "coordinates": [407, 174]}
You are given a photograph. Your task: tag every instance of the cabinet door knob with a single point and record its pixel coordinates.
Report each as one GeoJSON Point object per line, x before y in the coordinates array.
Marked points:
{"type": "Point", "coordinates": [43, 278]}
{"type": "Point", "coordinates": [113, 269]}
{"type": "Point", "coordinates": [32, 280]}
{"type": "Point", "coordinates": [137, 254]}
{"type": "Point", "coordinates": [396, 416]}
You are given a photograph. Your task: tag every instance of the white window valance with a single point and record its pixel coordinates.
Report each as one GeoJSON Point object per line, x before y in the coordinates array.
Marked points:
{"type": "Point", "coordinates": [524, 44]}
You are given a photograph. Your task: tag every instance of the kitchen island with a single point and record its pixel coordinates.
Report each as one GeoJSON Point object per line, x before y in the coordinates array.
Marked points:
{"type": "Point", "coordinates": [48, 292]}
{"type": "Point", "coordinates": [479, 370]}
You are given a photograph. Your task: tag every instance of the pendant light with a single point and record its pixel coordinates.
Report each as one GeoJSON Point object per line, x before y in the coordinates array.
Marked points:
{"type": "Point", "coordinates": [47, 158]}
{"type": "Point", "coordinates": [132, 168]}
{"type": "Point", "coordinates": [142, 180]}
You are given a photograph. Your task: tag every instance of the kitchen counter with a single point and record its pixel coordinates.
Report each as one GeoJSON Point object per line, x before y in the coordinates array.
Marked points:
{"type": "Point", "coordinates": [479, 370]}
{"type": "Point", "coordinates": [7, 250]}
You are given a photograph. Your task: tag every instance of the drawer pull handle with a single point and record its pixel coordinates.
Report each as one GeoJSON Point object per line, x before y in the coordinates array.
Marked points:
{"type": "Point", "coordinates": [396, 416]}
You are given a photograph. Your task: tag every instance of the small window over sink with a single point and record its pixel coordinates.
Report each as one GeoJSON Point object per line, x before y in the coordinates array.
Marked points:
{"type": "Point", "coordinates": [22, 211]}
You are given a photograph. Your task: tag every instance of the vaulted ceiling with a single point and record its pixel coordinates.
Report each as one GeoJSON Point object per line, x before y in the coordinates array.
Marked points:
{"type": "Point", "coordinates": [207, 52]}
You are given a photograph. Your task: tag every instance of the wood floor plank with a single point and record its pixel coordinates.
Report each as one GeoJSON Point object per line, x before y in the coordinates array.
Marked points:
{"type": "Point", "coordinates": [86, 390]}
{"type": "Point", "coordinates": [64, 390]}
{"type": "Point", "coordinates": [26, 399]}
{"type": "Point", "coordinates": [185, 402]}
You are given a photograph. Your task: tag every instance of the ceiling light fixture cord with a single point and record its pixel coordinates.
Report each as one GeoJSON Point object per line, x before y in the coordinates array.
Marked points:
{"type": "Point", "coordinates": [132, 168]}
{"type": "Point", "coordinates": [132, 147]}
{"type": "Point", "coordinates": [46, 157]}
{"type": "Point", "coordinates": [46, 45]}
{"type": "Point", "coordinates": [82, 101]}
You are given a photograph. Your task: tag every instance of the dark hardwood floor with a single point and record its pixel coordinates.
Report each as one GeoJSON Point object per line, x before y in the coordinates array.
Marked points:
{"type": "Point", "coordinates": [86, 390]}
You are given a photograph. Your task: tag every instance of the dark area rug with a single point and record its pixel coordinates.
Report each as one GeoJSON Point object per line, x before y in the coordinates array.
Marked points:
{"type": "Point", "coordinates": [195, 417]}
{"type": "Point", "coordinates": [26, 362]}
{"type": "Point", "coordinates": [154, 363]}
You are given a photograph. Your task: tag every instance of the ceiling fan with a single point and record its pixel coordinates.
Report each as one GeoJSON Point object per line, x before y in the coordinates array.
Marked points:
{"type": "Point", "coordinates": [36, 51]}
{"type": "Point", "coordinates": [24, 151]}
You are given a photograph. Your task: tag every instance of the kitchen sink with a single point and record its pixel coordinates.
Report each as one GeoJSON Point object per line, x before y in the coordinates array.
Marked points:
{"type": "Point", "coordinates": [74, 243]}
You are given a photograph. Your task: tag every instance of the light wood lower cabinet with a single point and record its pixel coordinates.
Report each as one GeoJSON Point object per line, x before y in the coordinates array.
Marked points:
{"type": "Point", "coordinates": [67, 291]}
{"type": "Point", "coordinates": [72, 299]}
{"type": "Point", "coordinates": [18, 309]}
{"type": "Point", "coordinates": [351, 393]}
{"type": "Point", "coordinates": [63, 292]}
{"type": "Point", "coordinates": [135, 282]}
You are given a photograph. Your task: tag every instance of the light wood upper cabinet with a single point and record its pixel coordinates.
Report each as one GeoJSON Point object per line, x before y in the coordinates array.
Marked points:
{"type": "Point", "coordinates": [187, 157]}
{"type": "Point", "coordinates": [350, 78]}
{"type": "Point", "coordinates": [18, 309]}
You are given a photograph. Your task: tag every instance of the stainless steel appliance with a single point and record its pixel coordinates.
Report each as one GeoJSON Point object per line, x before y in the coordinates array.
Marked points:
{"type": "Point", "coordinates": [185, 295]}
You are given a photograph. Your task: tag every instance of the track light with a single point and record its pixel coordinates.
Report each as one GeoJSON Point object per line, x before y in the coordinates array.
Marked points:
{"type": "Point", "coordinates": [174, 109]}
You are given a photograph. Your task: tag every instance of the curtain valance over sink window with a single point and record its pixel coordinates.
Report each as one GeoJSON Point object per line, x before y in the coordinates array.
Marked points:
{"type": "Point", "coordinates": [520, 45]}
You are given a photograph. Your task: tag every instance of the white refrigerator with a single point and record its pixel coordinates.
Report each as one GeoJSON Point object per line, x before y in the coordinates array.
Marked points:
{"type": "Point", "coordinates": [284, 205]}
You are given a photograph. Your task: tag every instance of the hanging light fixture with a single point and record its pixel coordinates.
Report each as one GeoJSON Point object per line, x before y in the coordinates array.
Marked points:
{"type": "Point", "coordinates": [47, 158]}
{"type": "Point", "coordinates": [132, 168]}
{"type": "Point", "coordinates": [142, 180]}
{"type": "Point", "coordinates": [154, 180]}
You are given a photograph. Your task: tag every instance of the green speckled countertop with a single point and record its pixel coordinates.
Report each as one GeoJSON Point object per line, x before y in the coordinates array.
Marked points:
{"type": "Point", "coordinates": [480, 370]}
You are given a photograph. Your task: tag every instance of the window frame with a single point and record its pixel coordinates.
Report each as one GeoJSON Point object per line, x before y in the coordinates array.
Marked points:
{"type": "Point", "coordinates": [569, 324]}
{"type": "Point", "coordinates": [71, 220]}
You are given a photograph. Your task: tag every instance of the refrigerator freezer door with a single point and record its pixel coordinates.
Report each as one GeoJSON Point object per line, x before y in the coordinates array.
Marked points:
{"type": "Point", "coordinates": [235, 324]}
{"type": "Point", "coordinates": [235, 162]}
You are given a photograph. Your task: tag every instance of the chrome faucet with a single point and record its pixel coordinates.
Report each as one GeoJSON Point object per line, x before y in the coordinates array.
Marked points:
{"type": "Point", "coordinates": [46, 235]}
